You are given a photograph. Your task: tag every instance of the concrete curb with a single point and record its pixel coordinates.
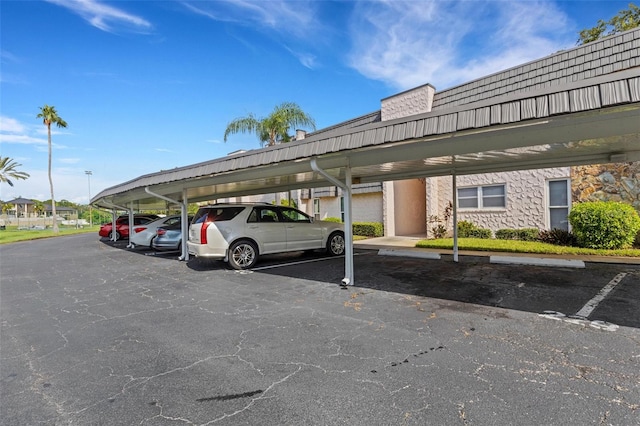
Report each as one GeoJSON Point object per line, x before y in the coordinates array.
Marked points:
{"type": "Point", "coordinates": [537, 261]}
{"type": "Point", "coordinates": [409, 253]}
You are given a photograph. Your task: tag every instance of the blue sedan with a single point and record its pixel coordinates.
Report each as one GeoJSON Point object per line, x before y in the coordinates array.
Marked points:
{"type": "Point", "coordinates": [168, 237]}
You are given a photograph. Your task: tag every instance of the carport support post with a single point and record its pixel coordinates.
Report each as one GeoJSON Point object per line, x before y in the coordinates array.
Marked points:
{"type": "Point", "coordinates": [348, 226]}
{"type": "Point", "coordinates": [130, 245]}
{"type": "Point", "coordinates": [113, 224]}
{"type": "Point", "coordinates": [184, 226]}
{"type": "Point", "coordinates": [183, 218]}
{"type": "Point", "coordinates": [455, 217]}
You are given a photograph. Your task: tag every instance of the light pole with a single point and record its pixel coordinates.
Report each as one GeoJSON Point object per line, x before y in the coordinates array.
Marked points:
{"type": "Point", "coordinates": [89, 173]}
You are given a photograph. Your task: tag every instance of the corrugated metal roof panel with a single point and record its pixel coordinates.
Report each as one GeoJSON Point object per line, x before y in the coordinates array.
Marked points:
{"type": "Point", "coordinates": [634, 89]}
{"type": "Point", "coordinates": [483, 117]}
{"type": "Point", "coordinates": [510, 112]}
{"type": "Point", "coordinates": [614, 93]}
{"type": "Point", "coordinates": [542, 106]}
{"type": "Point", "coordinates": [584, 98]}
{"type": "Point", "coordinates": [466, 119]}
{"type": "Point", "coordinates": [447, 123]}
{"type": "Point", "coordinates": [558, 103]}
{"type": "Point", "coordinates": [528, 108]}
{"type": "Point", "coordinates": [496, 114]}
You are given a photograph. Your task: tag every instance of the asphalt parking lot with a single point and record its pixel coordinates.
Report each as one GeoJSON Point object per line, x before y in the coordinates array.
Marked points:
{"type": "Point", "coordinates": [92, 334]}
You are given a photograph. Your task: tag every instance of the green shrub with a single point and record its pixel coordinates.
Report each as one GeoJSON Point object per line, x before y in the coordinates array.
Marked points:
{"type": "Point", "coordinates": [468, 229]}
{"type": "Point", "coordinates": [363, 229]}
{"type": "Point", "coordinates": [464, 228]}
{"type": "Point", "coordinates": [558, 237]}
{"type": "Point", "coordinates": [604, 224]}
{"type": "Point", "coordinates": [368, 229]}
{"type": "Point", "coordinates": [332, 219]}
{"type": "Point", "coordinates": [439, 231]}
{"type": "Point", "coordinates": [483, 233]}
{"type": "Point", "coordinates": [524, 234]}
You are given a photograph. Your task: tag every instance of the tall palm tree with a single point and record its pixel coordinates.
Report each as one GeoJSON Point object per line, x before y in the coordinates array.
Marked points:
{"type": "Point", "coordinates": [8, 170]}
{"type": "Point", "coordinates": [274, 128]}
{"type": "Point", "coordinates": [50, 116]}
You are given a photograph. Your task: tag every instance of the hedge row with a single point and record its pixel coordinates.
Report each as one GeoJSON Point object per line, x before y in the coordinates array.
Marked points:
{"type": "Point", "coordinates": [364, 229]}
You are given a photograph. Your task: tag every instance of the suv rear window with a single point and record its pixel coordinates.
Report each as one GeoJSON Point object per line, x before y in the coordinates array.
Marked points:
{"type": "Point", "coordinates": [216, 214]}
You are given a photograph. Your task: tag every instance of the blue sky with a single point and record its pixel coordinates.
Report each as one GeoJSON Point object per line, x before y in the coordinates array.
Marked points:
{"type": "Point", "coordinates": [151, 85]}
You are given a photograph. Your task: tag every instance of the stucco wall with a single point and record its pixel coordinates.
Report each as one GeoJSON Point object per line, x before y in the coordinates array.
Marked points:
{"type": "Point", "coordinates": [526, 198]}
{"type": "Point", "coordinates": [411, 102]}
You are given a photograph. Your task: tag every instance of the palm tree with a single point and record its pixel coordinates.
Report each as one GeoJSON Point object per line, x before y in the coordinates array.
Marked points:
{"type": "Point", "coordinates": [50, 116]}
{"type": "Point", "coordinates": [8, 170]}
{"type": "Point", "coordinates": [274, 128]}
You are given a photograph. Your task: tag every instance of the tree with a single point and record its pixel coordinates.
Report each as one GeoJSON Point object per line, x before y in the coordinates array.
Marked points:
{"type": "Point", "coordinates": [50, 116]}
{"type": "Point", "coordinates": [625, 20]}
{"type": "Point", "coordinates": [7, 207]}
{"type": "Point", "coordinates": [8, 170]}
{"type": "Point", "coordinates": [38, 207]}
{"type": "Point", "coordinates": [274, 128]}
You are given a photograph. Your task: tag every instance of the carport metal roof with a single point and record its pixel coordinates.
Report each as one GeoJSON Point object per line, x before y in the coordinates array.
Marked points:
{"type": "Point", "coordinates": [591, 121]}
{"type": "Point", "coordinates": [580, 106]}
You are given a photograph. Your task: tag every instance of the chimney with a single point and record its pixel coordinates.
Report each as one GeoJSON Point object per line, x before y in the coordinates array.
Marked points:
{"type": "Point", "coordinates": [300, 134]}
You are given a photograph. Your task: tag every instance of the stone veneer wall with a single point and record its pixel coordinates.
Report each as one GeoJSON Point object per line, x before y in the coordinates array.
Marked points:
{"type": "Point", "coordinates": [607, 182]}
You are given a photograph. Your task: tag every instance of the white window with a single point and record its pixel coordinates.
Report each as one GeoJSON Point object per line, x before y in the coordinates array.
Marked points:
{"type": "Point", "coordinates": [482, 197]}
{"type": "Point", "coordinates": [316, 208]}
{"type": "Point", "coordinates": [558, 202]}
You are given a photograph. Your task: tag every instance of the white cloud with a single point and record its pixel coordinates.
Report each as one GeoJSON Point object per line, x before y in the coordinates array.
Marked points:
{"type": "Point", "coordinates": [406, 44]}
{"type": "Point", "coordinates": [105, 17]}
{"type": "Point", "coordinates": [69, 160]}
{"type": "Point", "coordinates": [289, 17]}
{"type": "Point", "coordinates": [307, 60]}
{"type": "Point", "coordinates": [289, 22]}
{"type": "Point", "coordinates": [11, 125]}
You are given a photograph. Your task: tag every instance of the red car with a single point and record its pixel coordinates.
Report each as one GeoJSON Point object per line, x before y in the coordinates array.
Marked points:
{"type": "Point", "coordinates": [122, 225]}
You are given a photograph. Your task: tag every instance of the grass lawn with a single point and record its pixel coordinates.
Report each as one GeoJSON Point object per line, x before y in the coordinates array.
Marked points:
{"type": "Point", "coordinates": [512, 246]}
{"type": "Point", "coordinates": [12, 234]}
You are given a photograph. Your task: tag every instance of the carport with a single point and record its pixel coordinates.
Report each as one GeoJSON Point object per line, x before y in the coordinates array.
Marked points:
{"type": "Point", "coordinates": [561, 116]}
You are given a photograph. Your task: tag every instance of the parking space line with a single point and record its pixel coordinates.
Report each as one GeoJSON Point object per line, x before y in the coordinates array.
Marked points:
{"type": "Point", "coordinates": [261, 268]}
{"type": "Point", "coordinates": [592, 304]}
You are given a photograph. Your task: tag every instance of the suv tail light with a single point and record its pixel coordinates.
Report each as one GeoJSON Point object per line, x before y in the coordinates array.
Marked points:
{"type": "Point", "coordinates": [203, 232]}
{"type": "Point", "coordinates": [161, 231]}
{"type": "Point", "coordinates": [139, 229]}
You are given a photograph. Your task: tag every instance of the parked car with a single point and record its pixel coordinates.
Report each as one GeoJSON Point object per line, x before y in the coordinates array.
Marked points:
{"type": "Point", "coordinates": [143, 234]}
{"type": "Point", "coordinates": [169, 237]}
{"type": "Point", "coordinates": [122, 225]}
{"type": "Point", "coordinates": [239, 233]}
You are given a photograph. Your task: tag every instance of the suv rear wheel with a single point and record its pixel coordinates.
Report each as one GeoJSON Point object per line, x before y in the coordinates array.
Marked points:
{"type": "Point", "coordinates": [117, 235]}
{"type": "Point", "coordinates": [243, 254]}
{"type": "Point", "coordinates": [335, 244]}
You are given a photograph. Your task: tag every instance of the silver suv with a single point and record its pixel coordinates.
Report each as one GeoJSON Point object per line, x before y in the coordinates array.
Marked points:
{"type": "Point", "coordinates": [239, 233]}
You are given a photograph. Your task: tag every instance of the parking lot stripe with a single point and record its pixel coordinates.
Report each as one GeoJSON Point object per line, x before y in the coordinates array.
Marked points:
{"type": "Point", "coordinates": [593, 303]}
{"type": "Point", "coordinates": [298, 262]}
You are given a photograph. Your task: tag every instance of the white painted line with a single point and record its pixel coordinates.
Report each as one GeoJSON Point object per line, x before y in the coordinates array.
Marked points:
{"type": "Point", "coordinates": [409, 253]}
{"type": "Point", "coordinates": [300, 262]}
{"type": "Point", "coordinates": [537, 261]}
{"type": "Point", "coordinates": [593, 303]}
